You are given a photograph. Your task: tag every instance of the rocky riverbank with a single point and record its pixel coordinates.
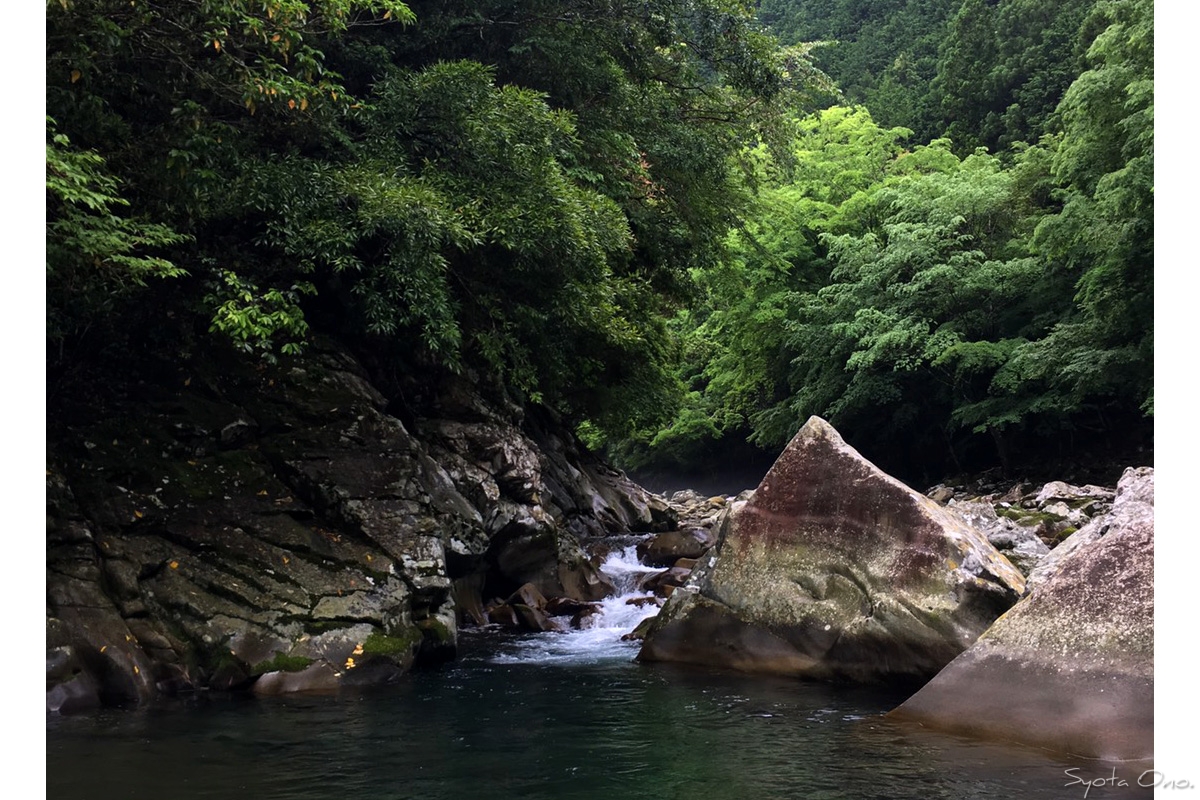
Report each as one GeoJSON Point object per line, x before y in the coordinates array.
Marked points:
{"type": "Point", "coordinates": [227, 526]}
{"type": "Point", "coordinates": [833, 570]}
{"type": "Point", "coordinates": [278, 529]}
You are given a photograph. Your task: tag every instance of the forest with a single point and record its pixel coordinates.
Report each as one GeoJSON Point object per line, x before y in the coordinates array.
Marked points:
{"type": "Point", "coordinates": [683, 226]}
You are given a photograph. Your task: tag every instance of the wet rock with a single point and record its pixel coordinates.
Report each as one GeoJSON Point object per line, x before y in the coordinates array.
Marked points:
{"type": "Point", "coordinates": [639, 633]}
{"type": "Point", "coordinates": [834, 570]}
{"type": "Point", "coordinates": [664, 583]}
{"type": "Point", "coordinates": [233, 515]}
{"type": "Point", "coordinates": [567, 607]}
{"type": "Point", "coordinates": [70, 687]}
{"type": "Point", "coordinates": [320, 678]}
{"type": "Point", "coordinates": [667, 548]}
{"type": "Point", "coordinates": [1070, 667]}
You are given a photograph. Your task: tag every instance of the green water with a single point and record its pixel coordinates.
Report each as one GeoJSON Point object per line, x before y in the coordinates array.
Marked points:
{"type": "Point", "coordinates": [531, 718]}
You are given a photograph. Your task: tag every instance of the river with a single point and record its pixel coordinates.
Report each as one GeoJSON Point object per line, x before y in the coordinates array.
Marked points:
{"type": "Point", "coordinates": [551, 716]}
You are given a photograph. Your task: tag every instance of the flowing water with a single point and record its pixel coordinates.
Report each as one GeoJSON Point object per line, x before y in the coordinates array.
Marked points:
{"type": "Point", "coordinates": [552, 715]}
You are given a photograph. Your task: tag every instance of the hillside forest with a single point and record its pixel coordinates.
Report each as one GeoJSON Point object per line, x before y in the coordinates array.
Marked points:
{"type": "Point", "coordinates": [680, 226]}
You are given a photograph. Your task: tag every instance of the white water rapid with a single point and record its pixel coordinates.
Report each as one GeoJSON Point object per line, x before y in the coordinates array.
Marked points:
{"type": "Point", "coordinates": [600, 637]}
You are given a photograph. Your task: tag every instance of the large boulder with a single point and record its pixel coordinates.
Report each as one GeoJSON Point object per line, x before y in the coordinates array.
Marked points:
{"type": "Point", "coordinates": [834, 570]}
{"type": "Point", "coordinates": [1071, 667]}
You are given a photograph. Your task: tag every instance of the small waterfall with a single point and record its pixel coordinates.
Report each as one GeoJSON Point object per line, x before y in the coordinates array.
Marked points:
{"type": "Point", "coordinates": [600, 637]}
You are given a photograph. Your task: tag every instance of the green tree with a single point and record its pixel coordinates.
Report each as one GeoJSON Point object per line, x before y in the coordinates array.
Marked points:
{"type": "Point", "coordinates": [1098, 360]}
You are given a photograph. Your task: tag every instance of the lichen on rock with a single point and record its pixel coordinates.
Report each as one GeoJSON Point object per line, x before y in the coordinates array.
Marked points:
{"type": "Point", "coordinates": [834, 570]}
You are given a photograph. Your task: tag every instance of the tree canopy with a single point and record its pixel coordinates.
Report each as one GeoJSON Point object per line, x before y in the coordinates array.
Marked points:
{"type": "Point", "coordinates": [928, 220]}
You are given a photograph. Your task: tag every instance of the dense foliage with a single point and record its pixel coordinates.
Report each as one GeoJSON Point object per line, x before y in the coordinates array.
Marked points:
{"type": "Point", "coordinates": [630, 211]}
{"type": "Point", "coordinates": [948, 311]}
{"type": "Point", "coordinates": [514, 189]}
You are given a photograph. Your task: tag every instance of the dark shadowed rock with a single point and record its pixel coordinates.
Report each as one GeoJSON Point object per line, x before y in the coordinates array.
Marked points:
{"type": "Point", "coordinates": [1071, 667]}
{"type": "Point", "coordinates": [834, 570]}
{"type": "Point", "coordinates": [221, 523]}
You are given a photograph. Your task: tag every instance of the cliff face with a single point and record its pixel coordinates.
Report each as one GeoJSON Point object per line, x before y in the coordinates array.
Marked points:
{"type": "Point", "coordinates": [232, 525]}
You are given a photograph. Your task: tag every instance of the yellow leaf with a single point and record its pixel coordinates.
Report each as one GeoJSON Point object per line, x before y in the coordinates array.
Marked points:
{"type": "Point", "coordinates": [138, 514]}
{"type": "Point", "coordinates": [286, 560]}
{"type": "Point", "coordinates": [358, 649]}
{"type": "Point", "coordinates": [291, 103]}
{"type": "Point", "coordinates": [174, 565]}
{"type": "Point", "coordinates": [102, 649]}
{"type": "Point", "coordinates": [275, 38]}
{"type": "Point", "coordinates": [370, 557]}
{"type": "Point", "coordinates": [303, 103]}
{"type": "Point", "coordinates": [388, 15]}
{"type": "Point", "coordinates": [75, 75]}
{"type": "Point", "coordinates": [333, 95]}
{"type": "Point", "coordinates": [350, 663]}
{"type": "Point", "coordinates": [136, 671]}
{"type": "Point", "coordinates": [217, 45]}
{"type": "Point", "coordinates": [262, 493]}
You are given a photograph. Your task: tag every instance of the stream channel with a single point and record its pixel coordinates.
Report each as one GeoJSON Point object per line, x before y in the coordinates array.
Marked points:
{"type": "Point", "coordinates": [553, 715]}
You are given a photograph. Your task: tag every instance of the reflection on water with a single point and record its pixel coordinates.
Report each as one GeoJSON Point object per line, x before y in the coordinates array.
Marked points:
{"type": "Point", "coordinates": [553, 716]}
{"type": "Point", "coordinates": [608, 729]}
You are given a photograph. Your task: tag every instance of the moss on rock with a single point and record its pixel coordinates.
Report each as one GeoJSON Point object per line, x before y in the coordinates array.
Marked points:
{"type": "Point", "coordinates": [281, 663]}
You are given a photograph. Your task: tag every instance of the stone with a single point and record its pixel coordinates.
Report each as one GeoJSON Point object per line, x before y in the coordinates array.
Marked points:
{"type": "Point", "coordinates": [835, 570]}
{"type": "Point", "coordinates": [1020, 544]}
{"type": "Point", "coordinates": [941, 494]}
{"type": "Point", "coordinates": [215, 524]}
{"type": "Point", "coordinates": [667, 548]}
{"type": "Point", "coordinates": [1071, 667]}
{"type": "Point", "coordinates": [319, 678]}
{"type": "Point", "coordinates": [665, 582]}
{"type": "Point", "coordinates": [1134, 495]}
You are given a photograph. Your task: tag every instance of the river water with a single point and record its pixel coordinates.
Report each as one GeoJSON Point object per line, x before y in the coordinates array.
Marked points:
{"type": "Point", "coordinates": [552, 716]}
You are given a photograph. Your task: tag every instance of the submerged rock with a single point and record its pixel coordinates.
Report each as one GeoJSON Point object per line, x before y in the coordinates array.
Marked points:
{"type": "Point", "coordinates": [1070, 667]}
{"type": "Point", "coordinates": [834, 570]}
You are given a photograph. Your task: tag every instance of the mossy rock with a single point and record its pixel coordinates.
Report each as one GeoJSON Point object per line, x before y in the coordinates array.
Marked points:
{"type": "Point", "coordinates": [1030, 519]}
{"type": "Point", "coordinates": [400, 645]}
{"type": "Point", "coordinates": [281, 663]}
{"type": "Point", "coordinates": [435, 631]}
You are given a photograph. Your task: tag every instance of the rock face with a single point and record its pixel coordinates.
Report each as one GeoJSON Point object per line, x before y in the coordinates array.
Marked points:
{"type": "Point", "coordinates": [1071, 667]}
{"type": "Point", "coordinates": [232, 525]}
{"type": "Point", "coordinates": [1018, 543]}
{"type": "Point", "coordinates": [834, 570]}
